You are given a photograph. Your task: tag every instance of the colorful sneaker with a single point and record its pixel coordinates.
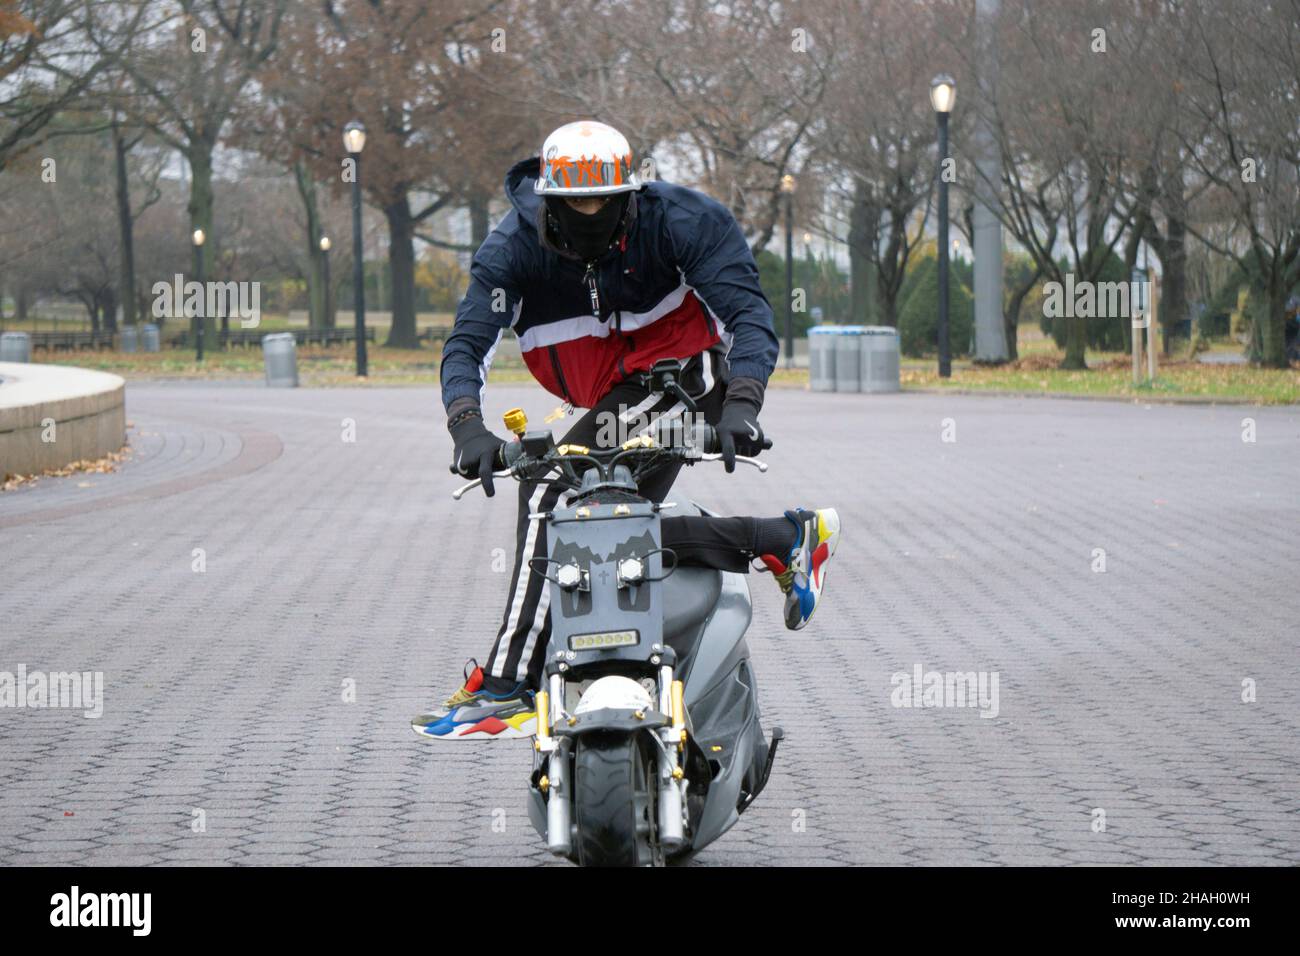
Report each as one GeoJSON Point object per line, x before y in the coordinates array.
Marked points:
{"type": "Point", "coordinates": [478, 714]}
{"type": "Point", "coordinates": [802, 575]}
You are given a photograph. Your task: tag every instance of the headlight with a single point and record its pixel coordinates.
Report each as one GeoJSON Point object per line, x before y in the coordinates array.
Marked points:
{"type": "Point", "coordinates": [569, 576]}
{"type": "Point", "coordinates": [631, 571]}
{"type": "Point", "coordinates": [602, 639]}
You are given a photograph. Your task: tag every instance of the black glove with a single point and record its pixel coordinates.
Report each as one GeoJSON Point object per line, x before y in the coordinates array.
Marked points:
{"type": "Point", "coordinates": [738, 429]}
{"type": "Point", "coordinates": [478, 451]}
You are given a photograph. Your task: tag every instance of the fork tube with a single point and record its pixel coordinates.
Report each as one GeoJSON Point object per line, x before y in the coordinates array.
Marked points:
{"type": "Point", "coordinates": [558, 838]}
{"type": "Point", "coordinates": [670, 790]}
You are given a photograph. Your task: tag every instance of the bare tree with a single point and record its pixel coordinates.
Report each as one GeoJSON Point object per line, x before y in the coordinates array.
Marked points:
{"type": "Point", "coordinates": [877, 139]}
{"type": "Point", "coordinates": [391, 66]}
{"type": "Point", "coordinates": [45, 66]}
{"type": "Point", "coordinates": [743, 82]}
{"type": "Point", "coordinates": [188, 65]}
{"type": "Point", "coordinates": [1065, 109]}
{"type": "Point", "coordinates": [1243, 90]}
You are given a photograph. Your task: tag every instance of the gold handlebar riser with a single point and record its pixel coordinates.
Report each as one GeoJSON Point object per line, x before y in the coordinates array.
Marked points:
{"type": "Point", "coordinates": [516, 421]}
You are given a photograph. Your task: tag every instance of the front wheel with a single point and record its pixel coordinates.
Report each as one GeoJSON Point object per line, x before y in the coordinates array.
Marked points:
{"type": "Point", "coordinates": [614, 801]}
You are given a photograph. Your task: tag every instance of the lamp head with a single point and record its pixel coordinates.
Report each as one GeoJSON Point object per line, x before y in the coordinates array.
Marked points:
{"type": "Point", "coordinates": [943, 93]}
{"type": "Point", "coordinates": [354, 137]}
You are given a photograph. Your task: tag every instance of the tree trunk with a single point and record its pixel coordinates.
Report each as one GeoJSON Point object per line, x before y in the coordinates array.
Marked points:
{"type": "Point", "coordinates": [200, 210]}
{"type": "Point", "coordinates": [1076, 340]}
{"type": "Point", "coordinates": [1173, 258]}
{"type": "Point", "coordinates": [1272, 328]}
{"type": "Point", "coordinates": [887, 309]}
{"type": "Point", "coordinates": [109, 306]}
{"type": "Point", "coordinates": [1011, 315]}
{"type": "Point", "coordinates": [401, 262]}
{"type": "Point", "coordinates": [864, 223]}
{"type": "Point", "coordinates": [1173, 299]}
{"type": "Point", "coordinates": [20, 304]}
{"type": "Point", "coordinates": [478, 220]}
{"type": "Point", "coordinates": [891, 266]}
{"type": "Point", "coordinates": [125, 231]}
{"type": "Point", "coordinates": [1011, 331]}
{"type": "Point", "coordinates": [317, 294]}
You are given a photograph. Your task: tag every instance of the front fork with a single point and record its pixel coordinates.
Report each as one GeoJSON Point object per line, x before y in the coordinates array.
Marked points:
{"type": "Point", "coordinates": [671, 781]}
{"type": "Point", "coordinates": [555, 785]}
{"type": "Point", "coordinates": [672, 776]}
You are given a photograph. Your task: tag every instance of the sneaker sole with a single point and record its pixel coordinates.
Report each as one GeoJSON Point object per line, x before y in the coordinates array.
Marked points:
{"type": "Point", "coordinates": [828, 538]}
{"type": "Point", "coordinates": [489, 728]}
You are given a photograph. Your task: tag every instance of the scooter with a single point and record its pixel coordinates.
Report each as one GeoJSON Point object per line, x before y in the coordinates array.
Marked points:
{"type": "Point", "coordinates": [648, 744]}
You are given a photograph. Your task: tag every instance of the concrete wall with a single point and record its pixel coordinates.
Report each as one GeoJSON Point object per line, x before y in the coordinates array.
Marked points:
{"type": "Point", "coordinates": [88, 410]}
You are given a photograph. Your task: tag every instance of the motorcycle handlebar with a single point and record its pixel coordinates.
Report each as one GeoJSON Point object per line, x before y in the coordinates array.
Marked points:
{"type": "Point", "coordinates": [669, 436]}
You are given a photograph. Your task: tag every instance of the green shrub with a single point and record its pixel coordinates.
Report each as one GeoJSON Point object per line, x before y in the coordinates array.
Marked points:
{"type": "Point", "coordinates": [918, 321]}
{"type": "Point", "coordinates": [1100, 334]}
{"type": "Point", "coordinates": [822, 282]}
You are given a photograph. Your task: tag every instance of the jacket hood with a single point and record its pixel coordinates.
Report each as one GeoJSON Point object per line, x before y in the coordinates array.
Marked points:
{"type": "Point", "coordinates": [519, 189]}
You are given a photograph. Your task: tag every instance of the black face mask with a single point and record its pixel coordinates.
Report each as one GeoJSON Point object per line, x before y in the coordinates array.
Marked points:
{"type": "Point", "coordinates": [588, 236]}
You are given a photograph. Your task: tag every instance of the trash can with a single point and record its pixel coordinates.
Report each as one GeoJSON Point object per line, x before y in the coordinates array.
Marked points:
{"type": "Point", "coordinates": [821, 357]}
{"type": "Point", "coordinates": [130, 338]}
{"type": "Point", "coordinates": [848, 359]}
{"type": "Point", "coordinates": [879, 359]}
{"type": "Point", "coordinates": [150, 338]}
{"type": "Point", "coordinates": [15, 347]}
{"type": "Point", "coordinates": [280, 352]}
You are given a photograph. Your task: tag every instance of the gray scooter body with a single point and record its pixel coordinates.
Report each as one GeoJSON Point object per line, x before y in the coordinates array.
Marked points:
{"type": "Point", "coordinates": [700, 615]}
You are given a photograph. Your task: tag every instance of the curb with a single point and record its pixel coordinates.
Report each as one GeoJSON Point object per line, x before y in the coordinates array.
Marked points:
{"type": "Point", "coordinates": [1122, 399]}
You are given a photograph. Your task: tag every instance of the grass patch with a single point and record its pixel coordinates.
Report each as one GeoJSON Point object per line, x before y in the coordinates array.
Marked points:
{"type": "Point", "coordinates": [1108, 375]}
{"type": "Point", "coordinates": [318, 366]}
{"type": "Point", "coordinates": [1112, 376]}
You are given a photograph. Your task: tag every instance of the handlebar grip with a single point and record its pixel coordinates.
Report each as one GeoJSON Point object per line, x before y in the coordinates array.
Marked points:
{"type": "Point", "coordinates": [706, 438]}
{"type": "Point", "coordinates": [703, 436]}
{"type": "Point", "coordinates": [509, 453]}
{"type": "Point", "coordinates": [506, 456]}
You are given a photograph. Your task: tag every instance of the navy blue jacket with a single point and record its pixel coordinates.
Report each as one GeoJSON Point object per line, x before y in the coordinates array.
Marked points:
{"type": "Point", "coordinates": [682, 280]}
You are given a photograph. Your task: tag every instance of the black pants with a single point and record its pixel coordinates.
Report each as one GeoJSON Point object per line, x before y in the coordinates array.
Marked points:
{"type": "Point", "coordinates": [724, 543]}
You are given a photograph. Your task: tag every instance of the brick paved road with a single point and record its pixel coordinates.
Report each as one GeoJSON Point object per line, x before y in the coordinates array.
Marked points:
{"type": "Point", "coordinates": [329, 561]}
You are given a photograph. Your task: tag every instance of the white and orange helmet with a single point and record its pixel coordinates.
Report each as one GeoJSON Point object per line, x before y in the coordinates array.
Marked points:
{"type": "Point", "coordinates": [586, 158]}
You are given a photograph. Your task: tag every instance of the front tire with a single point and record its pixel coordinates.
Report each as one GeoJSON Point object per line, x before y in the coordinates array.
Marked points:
{"type": "Point", "coordinates": [614, 802]}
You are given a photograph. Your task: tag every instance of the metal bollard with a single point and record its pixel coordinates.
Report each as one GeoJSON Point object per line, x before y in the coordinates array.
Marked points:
{"type": "Point", "coordinates": [848, 359]}
{"type": "Point", "coordinates": [821, 358]}
{"type": "Point", "coordinates": [879, 359]}
{"type": "Point", "coordinates": [280, 352]}
{"type": "Point", "coordinates": [15, 347]}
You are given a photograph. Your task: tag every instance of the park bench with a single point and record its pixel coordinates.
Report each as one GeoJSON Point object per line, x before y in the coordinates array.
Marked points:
{"type": "Point", "coordinates": [252, 338]}
{"type": "Point", "coordinates": [71, 341]}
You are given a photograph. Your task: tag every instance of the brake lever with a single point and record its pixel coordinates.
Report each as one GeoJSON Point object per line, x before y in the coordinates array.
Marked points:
{"type": "Point", "coordinates": [459, 492]}
{"type": "Point", "coordinates": [714, 456]}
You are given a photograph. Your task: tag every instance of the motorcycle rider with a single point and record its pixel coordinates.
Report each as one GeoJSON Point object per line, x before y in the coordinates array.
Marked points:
{"type": "Point", "coordinates": [600, 276]}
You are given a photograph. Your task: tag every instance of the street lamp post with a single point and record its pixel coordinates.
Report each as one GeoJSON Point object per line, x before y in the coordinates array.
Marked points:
{"type": "Point", "coordinates": [354, 140]}
{"type": "Point", "coordinates": [198, 239]}
{"type": "Point", "coordinates": [787, 189]}
{"type": "Point", "coordinates": [327, 318]}
{"type": "Point", "coordinates": [943, 93]}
